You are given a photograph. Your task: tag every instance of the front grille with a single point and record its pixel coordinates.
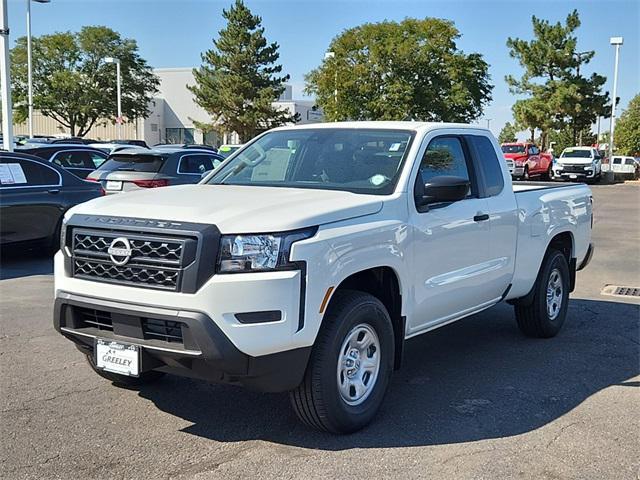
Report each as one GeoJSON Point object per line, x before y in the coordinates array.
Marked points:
{"type": "Point", "coordinates": [165, 330]}
{"type": "Point", "coordinates": [88, 317]}
{"type": "Point", "coordinates": [574, 168]}
{"type": "Point", "coordinates": [154, 262]}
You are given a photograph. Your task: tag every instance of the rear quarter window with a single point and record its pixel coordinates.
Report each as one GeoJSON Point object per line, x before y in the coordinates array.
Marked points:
{"type": "Point", "coordinates": [489, 164]}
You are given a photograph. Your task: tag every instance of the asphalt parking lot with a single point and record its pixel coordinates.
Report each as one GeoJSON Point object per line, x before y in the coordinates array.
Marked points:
{"type": "Point", "coordinates": [475, 399]}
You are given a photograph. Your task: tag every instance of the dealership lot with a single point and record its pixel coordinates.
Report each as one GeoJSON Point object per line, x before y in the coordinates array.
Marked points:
{"type": "Point", "coordinates": [474, 400]}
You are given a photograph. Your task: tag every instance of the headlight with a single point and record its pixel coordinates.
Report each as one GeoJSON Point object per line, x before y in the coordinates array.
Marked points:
{"type": "Point", "coordinates": [588, 167]}
{"type": "Point", "coordinates": [258, 253]}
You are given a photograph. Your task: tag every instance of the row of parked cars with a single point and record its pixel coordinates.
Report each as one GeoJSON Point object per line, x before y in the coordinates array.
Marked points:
{"type": "Point", "coordinates": [525, 160]}
{"type": "Point", "coordinates": [42, 179]}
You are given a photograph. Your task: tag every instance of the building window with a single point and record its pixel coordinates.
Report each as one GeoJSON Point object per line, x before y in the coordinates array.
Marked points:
{"type": "Point", "coordinates": [180, 135]}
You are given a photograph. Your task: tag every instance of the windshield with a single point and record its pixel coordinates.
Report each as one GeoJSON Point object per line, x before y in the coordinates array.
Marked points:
{"type": "Point", "coordinates": [512, 148]}
{"type": "Point", "coordinates": [133, 163]}
{"type": "Point", "coordinates": [360, 161]}
{"type": "Point", "coordinates": [570, 153]}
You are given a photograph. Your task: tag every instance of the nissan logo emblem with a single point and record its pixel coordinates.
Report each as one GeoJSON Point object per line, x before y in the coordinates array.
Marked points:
{"type": "Point", "coordinates": [119, 251]}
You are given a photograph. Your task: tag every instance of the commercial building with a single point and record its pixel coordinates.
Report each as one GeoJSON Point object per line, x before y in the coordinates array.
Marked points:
{"type": "Point", "coordinates": [174, 115]}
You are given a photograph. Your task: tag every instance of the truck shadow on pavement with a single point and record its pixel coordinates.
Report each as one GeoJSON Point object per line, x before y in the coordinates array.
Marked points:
{"type": "Point", "coordinates": [475, 379]}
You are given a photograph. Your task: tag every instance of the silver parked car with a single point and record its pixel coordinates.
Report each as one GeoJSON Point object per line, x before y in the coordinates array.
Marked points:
{"type": "Point", "coordinates": [135, 169]}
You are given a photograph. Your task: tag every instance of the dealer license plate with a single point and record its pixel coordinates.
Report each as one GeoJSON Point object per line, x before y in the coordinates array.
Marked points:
{"type": "Point", "coordinates": [118, 357]}
{"type": "Point", "coordinates": [114, 185]}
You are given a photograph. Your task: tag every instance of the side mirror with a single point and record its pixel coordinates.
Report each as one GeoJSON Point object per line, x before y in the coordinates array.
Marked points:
{"type": "Point", "coordinates": [444, 188]}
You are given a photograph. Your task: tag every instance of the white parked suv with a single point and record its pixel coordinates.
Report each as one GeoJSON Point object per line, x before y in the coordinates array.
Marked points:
{"type": "Point", "coordinates": [578, 163]}
{"type": "Point", "coordinates": [305, 261]}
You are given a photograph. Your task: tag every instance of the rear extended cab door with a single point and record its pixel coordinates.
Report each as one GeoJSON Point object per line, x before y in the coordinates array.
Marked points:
{"type": "Point", "coordinates": [496, 188]}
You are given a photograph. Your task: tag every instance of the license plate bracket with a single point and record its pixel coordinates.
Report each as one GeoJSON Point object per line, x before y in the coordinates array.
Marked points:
{"type": "Point", "coordinates": [117, 357]}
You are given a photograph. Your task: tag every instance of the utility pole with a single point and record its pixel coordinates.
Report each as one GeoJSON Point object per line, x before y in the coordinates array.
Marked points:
{"type": "Point", "coordinates": [5, 80]}
{"type": "Point", "coordinates": [617, 42]}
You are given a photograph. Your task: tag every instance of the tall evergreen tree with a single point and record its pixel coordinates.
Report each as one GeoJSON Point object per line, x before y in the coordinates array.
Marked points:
{"type": "Point", "coordinates": [558, 94]}
{"type": "Point", "coordinates": [239, 78]}
{"type": "Point", "coordinates": [508, 134]}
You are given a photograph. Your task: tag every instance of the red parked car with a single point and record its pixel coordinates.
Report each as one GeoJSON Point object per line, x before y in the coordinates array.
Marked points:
{"type": "Point", "coordinates": [528, 160]}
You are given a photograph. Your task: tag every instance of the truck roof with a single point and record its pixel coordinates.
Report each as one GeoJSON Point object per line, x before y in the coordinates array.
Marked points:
{"type": "Point", "coordinates": [391, 125]}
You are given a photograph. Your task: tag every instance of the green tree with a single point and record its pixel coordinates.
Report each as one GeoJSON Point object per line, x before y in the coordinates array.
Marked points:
{"type": "Point", "coordinates": [552, 80]}
{"type": "Point", "coordinates": [399, 71]}
{"type": "Point", "coordinates": [627, 131]}
{"type": "Point", "coordinates": [509, 133]}
{"type": "Point", "coordinates": [239, 78]}
{"type": "Point", "coordinates": [73, 84]}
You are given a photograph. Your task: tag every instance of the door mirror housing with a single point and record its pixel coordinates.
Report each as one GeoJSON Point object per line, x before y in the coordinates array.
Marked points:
{"type": "Point", "coordinates": [440, 189]}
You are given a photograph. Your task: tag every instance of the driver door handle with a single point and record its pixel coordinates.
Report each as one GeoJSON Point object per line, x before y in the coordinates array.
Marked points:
{"type": "Point", "coordinates": [54, 190]}
{"type": "Point", "coordinates": [481, 217]}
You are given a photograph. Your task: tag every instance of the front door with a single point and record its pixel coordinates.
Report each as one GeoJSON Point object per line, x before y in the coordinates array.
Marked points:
{"type": "Point", "coordinates": [451, 242]}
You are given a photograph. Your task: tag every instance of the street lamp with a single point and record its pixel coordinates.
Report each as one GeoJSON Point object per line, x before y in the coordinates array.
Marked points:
{"type": "Point", "coordinates": [119, 81]}
{"type": "Point", "coordinates": [29, 65]}
{"type": "Point", "coordinates": [617, 41]}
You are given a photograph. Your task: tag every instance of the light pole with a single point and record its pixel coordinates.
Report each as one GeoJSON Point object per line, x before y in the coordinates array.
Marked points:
{"type": "Point", "coordinates": [30, 65]}
{"type": "Point", "coordinates": [617, 41]}
{"type": "Point", "coordinates": [335, 82]}
{"type": "Point", "coordinates": [119, 81]}
{"type": "Point", "coordinates": [489, 122]}
{"type": "Point", "coordinates": [5, 80]}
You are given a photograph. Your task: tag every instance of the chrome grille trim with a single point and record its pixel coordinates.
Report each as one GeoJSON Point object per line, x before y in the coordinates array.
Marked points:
{"type": "Point", "coordinates": [155, 261]}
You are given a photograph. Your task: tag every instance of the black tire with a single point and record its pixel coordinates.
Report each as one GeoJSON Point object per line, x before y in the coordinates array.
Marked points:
{"type": "Point", "coordinates": [534, 319]}
{"type": "Point", "coordinates": [548, 176]}
{"type": "Point", "coordinates": [123, 380]}
{"type": "Point", "coordinates": [525, 175]}
{"type": "Point", "coordinates": [317, 400]}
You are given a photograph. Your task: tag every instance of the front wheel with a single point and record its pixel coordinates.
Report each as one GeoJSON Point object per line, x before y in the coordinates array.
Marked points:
{"type": "Point", "coordinates": [545, 315]}
{"type": "Point", "coordinates": [350, 366]}
{"type": "Point", "coordinates": [525, 175]}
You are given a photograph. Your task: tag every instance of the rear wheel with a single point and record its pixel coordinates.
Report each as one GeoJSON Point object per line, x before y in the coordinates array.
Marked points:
{"type": "Point", "coordinates": [548, 176]}
{"type": "Point", "coordinates": [123, 380]}
{"type": "Point", "coordinates": [350, 366]}
{"type": "Point", "coordinates": [545, 315]}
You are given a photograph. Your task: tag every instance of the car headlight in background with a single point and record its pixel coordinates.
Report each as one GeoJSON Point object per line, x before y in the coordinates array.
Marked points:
{"type": "Point", "coordinates": [259, 253]}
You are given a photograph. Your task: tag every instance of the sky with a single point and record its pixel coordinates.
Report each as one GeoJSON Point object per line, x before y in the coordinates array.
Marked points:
{"type": "Point", "coordinates": [173, 33]}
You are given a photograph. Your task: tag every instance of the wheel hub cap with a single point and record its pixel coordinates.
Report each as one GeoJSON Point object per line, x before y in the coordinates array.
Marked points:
{"type": "Point", "coordinates": [358, 364]}
{"type": "Point", "coordinates": [554, 294]}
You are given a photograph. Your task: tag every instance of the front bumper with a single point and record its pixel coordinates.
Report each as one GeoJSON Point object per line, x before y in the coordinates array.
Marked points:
{"type": "Point", "coordinates": [517, 171]}
{"type": "Point", "coordinates": [573, 175]}
{"type": "Point", "coordinates": [204, 351]}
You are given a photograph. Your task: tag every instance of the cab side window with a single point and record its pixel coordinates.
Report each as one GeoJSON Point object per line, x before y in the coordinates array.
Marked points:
{"type": "Point", "coordinates": [444, 156]}
{"type": "Point", "coordinates": [74, 159]}
{"type": "Point", "coordinates": [28, 173]}
{"type": "Point", "coordinates": [195, 164]}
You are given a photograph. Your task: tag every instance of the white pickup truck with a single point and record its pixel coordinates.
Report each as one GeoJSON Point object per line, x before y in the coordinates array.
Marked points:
{"type": "Point", "coordinates": [309, 257]}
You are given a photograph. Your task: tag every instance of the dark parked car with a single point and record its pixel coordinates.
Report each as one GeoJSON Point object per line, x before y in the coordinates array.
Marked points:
{"type": "Point", "coordinates": [133, 169]}
{"type": "Point", "coordinates": [34, 195]}
{"type": "Point", "coordinates": [79, 159]}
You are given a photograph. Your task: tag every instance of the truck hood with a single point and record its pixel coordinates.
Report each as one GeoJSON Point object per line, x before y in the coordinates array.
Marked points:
{"type": "Point", "coordinates": [236, 209]}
